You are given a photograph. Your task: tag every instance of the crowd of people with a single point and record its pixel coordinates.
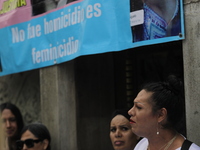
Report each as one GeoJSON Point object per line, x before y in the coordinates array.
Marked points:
{"type": "Point", "coordinates": [151, 124]}
{"type": "Point", "coordinates": [17, 136]}
{"type": "Point", "coordinates": [154, 118]}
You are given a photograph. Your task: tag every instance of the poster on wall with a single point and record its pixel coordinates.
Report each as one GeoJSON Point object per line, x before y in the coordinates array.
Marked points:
{"type": "Point", "coordinates": [156, 21]}
{"type": "Point", "coordinates": [41, 33]}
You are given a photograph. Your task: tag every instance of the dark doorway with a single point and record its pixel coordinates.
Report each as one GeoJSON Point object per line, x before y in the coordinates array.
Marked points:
{"type": "Point", "coordinates": [134, 67]}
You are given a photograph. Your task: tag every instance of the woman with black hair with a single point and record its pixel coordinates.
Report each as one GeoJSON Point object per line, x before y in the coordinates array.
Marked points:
{"type": "Point", "coordinates": [12, 123]}
{"type": "Point", "coordinates": [157, 111]}
{"type": "Point", "coordinates": [34, 136]}
{"type": "Point", "coordinates": [121, 135]}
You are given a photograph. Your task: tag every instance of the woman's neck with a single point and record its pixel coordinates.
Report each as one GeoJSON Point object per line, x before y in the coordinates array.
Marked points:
{"type": "Point", "coordinates": [11, 142]}
{"type": "Point", "coordinates": [162, 140]}
{"type": "Point", "coordinates": [164, 8]}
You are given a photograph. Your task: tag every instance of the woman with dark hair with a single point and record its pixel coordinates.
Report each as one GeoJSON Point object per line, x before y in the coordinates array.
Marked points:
{"type": "Point", "coordinates": [12, 124]}
{"type": "Point", "coordinates": [157, 110]}
{"type": "Point", "coordinates": [34, 136]}
{"type": "Point", "coordinates": [121, 135]}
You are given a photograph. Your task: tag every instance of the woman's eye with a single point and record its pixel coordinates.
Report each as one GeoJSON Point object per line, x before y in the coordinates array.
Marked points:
{"type": "Point", "coordinates": [125, 128]}
{"type": "Point", "coordinates": [12, 119]}
{"type": "Point", "coordinates": [112, 129]}
{"type": "Point", "coordinates": [138, 107]}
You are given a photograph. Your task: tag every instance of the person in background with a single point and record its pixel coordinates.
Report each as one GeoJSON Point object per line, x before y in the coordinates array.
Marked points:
{"type": "Point", "coordinates": [34, 136]}
{"type": "Point", "coordinates": [156, 112]}
{"type": "Point", "coordinates": [12, 123]}
{"type": "Point", "coordinates": [121, 135]}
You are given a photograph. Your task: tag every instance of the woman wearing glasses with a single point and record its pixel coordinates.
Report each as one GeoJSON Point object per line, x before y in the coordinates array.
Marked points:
{"type": "Point", "coordinates": [34, 136]}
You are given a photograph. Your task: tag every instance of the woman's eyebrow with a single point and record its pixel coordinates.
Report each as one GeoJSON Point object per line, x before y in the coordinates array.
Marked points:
{"type": "Point", "coordinates": [139, 103]}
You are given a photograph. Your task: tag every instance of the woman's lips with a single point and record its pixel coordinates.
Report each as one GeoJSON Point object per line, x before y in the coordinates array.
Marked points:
{"type": "Point", "coordinates": [131, 121]}
{"type": "Point", "coordinates": [118, 143]}
{"type": "Point", "coordinates": [9, 132]}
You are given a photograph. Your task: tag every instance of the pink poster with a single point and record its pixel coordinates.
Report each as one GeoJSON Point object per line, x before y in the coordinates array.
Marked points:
{"type": "Point", "coordinates": [12, 12]}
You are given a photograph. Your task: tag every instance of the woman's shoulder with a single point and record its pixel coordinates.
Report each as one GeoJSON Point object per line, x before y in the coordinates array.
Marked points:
{"type": "Point", "coordinates": [194, 147]}
{"type": "Point", "coordinates": [142, 144]}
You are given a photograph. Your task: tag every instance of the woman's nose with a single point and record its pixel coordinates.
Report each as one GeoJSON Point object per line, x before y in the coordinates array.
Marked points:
{"type": "Point", "coordinates": [7, 123]}
{"type": "Point", "coordinates": [118, 133]}
{"type": "Point", "coordinates": [24, 147]}
{"type": "Point", "coordinates": [131, 112]}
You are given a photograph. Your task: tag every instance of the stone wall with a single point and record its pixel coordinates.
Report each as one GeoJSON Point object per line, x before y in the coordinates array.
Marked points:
{"type": "Point", "coordinates": [191, 55]}
{"type": "Point", "coordinates": [23, 90]}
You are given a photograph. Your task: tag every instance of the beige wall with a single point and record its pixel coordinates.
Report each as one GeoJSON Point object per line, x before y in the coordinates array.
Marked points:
{"type": "Point", "coordinates": [191, 56]}
{"type": "Point", "coordinates": [22, 89]}
{"type": "Point", "coordinates": [2, 142]}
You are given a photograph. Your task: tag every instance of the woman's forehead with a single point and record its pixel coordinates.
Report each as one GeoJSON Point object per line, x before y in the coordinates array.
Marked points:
{"type": "Point", "coordinates": [119, 119]}
{"type": "Point", "coordinates": [7, 112]}
{"type": "Point", "coordinates": [27, 134]}
{"type": "Point", "coordinates": [143, 97]}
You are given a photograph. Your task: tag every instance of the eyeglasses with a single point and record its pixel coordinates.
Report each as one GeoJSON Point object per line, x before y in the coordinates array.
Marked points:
{"type": "Point", "coordinates": [29, 143]}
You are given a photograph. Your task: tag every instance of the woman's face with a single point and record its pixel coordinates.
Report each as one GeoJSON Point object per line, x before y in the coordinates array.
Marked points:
{"type": "Point", "coordinates": [121, 135]}
{"type": "Point", "coordinates": [144, 123]}
{"type": "Point", "coordinates": [42, 145]}
{"type": "Point", "coordinates": [9, 123]}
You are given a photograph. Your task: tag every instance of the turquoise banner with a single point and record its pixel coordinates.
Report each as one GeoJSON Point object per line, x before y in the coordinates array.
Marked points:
{"type": "Point", "coordinates": [45, 33]}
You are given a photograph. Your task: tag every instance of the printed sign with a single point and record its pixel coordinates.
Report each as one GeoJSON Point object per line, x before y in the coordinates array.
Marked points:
{"type": "Point", "coordinates": [41, 33]}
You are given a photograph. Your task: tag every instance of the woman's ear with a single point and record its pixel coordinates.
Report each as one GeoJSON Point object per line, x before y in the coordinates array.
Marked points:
{"type": "Point", "coordinates": [46, 143]}
{"type": "Point", "coordinates": [162, 115]}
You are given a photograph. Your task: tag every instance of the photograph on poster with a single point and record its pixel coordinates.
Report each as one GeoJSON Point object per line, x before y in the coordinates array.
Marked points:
{"type": "Point", "coordinates": [63, 2]}
{"type": "Point", "coordinates": [153, 19]}
{"type": "Point", "coordinates": [68, 27]}
{"type": "Point", "coordinates": [38, 7]}
{"type": "Point", "coordinates": [42, 6]}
